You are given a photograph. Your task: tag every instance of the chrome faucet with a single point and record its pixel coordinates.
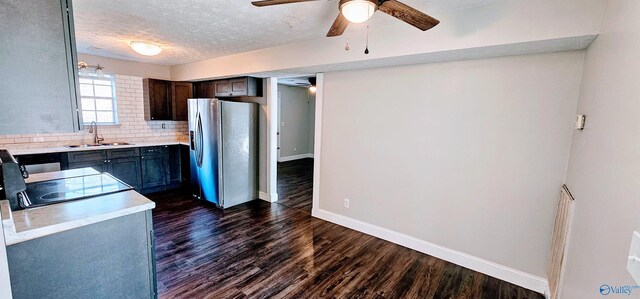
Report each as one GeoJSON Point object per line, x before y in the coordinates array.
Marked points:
{"type": "Point", "coordinates": [93, 128]}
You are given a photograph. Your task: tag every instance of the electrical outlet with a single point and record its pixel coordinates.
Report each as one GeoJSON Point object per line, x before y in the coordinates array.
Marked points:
{"type": "Point", "coordinates": [282, 124]}
{"type": "Point", "coordinates": [347, 202]}
{"type": "Point", "coordinates": [295, 149]}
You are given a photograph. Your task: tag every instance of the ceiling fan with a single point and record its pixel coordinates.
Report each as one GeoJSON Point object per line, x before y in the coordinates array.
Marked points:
{"type": "Point", "coordinates": [358, 11]}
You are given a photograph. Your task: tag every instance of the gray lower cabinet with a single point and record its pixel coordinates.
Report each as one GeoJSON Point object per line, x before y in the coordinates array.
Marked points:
{"type": "Point", "coordinates": [147, 169]}
{"type": "Point", "coordinates": [38, 77]}
{"type": "Point", "coordinates": [98, 165]}
{"type": "Point", "coordinates": [154, 171]}
{"type": "Point", "coordinates": [126, 170]}
{"type": "Point", "coordinates": [175, 164]}
{"type": "Point", "coordinates": [108, 259]}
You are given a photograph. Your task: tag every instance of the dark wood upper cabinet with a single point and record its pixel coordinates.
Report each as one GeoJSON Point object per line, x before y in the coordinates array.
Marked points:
{"type": "Point", "coordinates": [238, 87]}
{"type": "Point", "coordinates": [204, 89]}
{"type": "Point", "coordinates": [223, 88]}
{"type": "Point", "coordinates": [182, 91]}
{"type": "Point", "coordinates": [158, 102]}
{"type": "Point", "coordinates": [166, 100]}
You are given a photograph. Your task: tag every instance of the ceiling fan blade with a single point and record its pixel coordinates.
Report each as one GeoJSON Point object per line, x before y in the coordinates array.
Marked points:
{"type": "Point", "coordinates": [408, 14]}
{"type": "Point", "coordinates": [338, 27]}
{"type": "Point", "coordinates": [277, 2]}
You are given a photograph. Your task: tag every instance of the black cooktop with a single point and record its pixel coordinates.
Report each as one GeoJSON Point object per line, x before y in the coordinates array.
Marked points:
{"type": "Point", "coordinates": [75, 188]}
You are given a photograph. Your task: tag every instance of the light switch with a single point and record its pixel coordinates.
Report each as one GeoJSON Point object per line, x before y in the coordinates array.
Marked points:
{"type": "Point", "coordinates": [633, 262]}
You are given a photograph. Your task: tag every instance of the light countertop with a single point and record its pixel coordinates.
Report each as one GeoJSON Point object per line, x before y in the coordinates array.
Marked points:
{"type": "Point", "coordinates": [29, 224]}
{"type": "Point", "coordinates": [62, 149]}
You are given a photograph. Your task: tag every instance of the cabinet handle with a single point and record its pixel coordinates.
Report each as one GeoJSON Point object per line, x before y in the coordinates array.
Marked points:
{"type": "Point", "coordinates": [105, 161]}
{"type": "Point", "coordinates": [142, 158]}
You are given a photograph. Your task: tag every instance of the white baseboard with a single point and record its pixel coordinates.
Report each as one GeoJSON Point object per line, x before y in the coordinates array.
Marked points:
{"type": "Point", "coordinates": [273, 197]}
{"type": "Point", "coordinates": [547, 292]}
{"type": "Point", "coordinates": [517, 277]}
{"type": "Point", "coordinates": [294, 157]}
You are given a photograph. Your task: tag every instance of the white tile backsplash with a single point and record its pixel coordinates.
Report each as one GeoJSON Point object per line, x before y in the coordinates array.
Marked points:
{"type": "Point", "coordinates": [131, 124]}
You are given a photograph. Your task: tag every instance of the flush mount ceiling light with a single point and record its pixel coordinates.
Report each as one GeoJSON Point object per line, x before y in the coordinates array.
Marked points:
{"type": "Point", "coordinates": [145, 48]}
{"type": "Point", "coordinates": [358, 11]}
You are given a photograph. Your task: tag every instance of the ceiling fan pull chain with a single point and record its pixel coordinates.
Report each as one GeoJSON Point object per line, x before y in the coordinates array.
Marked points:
{"type": "Point", "coordinates": [366, 49]}
{"type": "Point", "coordinates": [346, 48]}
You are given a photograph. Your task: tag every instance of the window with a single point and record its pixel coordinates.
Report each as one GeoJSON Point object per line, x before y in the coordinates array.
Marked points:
{"type": "Point", "coordinates": [98, 99]}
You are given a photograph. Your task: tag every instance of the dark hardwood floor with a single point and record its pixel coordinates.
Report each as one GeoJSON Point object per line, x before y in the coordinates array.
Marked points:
{"type": "Point", "coordinates": [263, 250]}
{"type": "Point", "coordinates": [295, 184]}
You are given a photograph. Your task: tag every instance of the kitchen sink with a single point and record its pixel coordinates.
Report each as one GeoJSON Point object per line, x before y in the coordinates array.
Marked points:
{"type": "Point", "coordinates": [98, 144]}
{"type": "Point", "coordinates": [83, 145]}
{"type": "Point", "coordinates": [116, 143]}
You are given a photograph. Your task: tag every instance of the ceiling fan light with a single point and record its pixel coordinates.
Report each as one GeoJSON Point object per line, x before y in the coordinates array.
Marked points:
{"type": "Point", "coordinates": [145, 48]}
{"type": "Point", "coordinates": [358, 11]}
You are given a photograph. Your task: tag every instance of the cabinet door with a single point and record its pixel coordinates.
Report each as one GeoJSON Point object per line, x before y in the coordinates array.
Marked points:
{"type": "Point", "coordinates": [38, 76]}
{"type": "Point", "coordinates": [86, 156]}
{"type": "Point", "coordinates": [182, 91]}
{"type": "Point", "coordinates": [98, 165]}
{"type": "Point", "coordinates": [158, 102]}
{"type": "Point", "coordinates": [204, 90]}
{"type": "Point", "coordinates": [123, 153]}
{"type": "Point", "coordinates": [126, 170]}
{"type": "Point", "coordinates": [238, 87]}
{"type": "Point", "coordinates": [154, 171]}
{"type": "Point", "coordinates": [222, 88]}
{"type": "Point", "coordinates": [174, 163]}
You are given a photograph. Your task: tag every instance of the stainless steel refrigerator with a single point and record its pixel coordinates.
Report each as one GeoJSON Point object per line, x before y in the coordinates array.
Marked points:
{"type": "Point", "coordinates": [223, 138]}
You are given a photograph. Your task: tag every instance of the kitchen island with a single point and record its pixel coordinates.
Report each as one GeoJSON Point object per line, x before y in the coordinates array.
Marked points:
{"type": "Point", "coordinates": [99, 247]}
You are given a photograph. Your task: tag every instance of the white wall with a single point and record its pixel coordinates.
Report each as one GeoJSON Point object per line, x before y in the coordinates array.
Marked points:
{"type": "Point", "coordinates": [127, 67]}
{"type": "Point", "coordinates": [469, 155]}
{"type": "Point", "coordinates": [132, 127]}
{"type": "Point", "coordinates": [604, 170]}
{"type": "Point", "coordinates": [296, 135]}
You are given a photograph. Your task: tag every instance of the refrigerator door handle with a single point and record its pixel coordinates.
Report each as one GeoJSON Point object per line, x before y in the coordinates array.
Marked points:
{"type": "Point", "coordinates": [199, 141]}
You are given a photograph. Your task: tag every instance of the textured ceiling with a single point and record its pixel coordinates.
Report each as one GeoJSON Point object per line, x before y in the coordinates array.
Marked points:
{"type": "Point", "coordinates": [195, 30]}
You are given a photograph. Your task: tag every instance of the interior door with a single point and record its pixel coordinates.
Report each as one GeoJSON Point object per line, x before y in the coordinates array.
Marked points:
{"type": "Point", "coordinates": [209, 184]}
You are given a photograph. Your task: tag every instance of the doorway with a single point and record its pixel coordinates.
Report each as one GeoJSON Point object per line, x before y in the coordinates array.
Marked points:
{"type": "Point", "coordinates": [295, 142]}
